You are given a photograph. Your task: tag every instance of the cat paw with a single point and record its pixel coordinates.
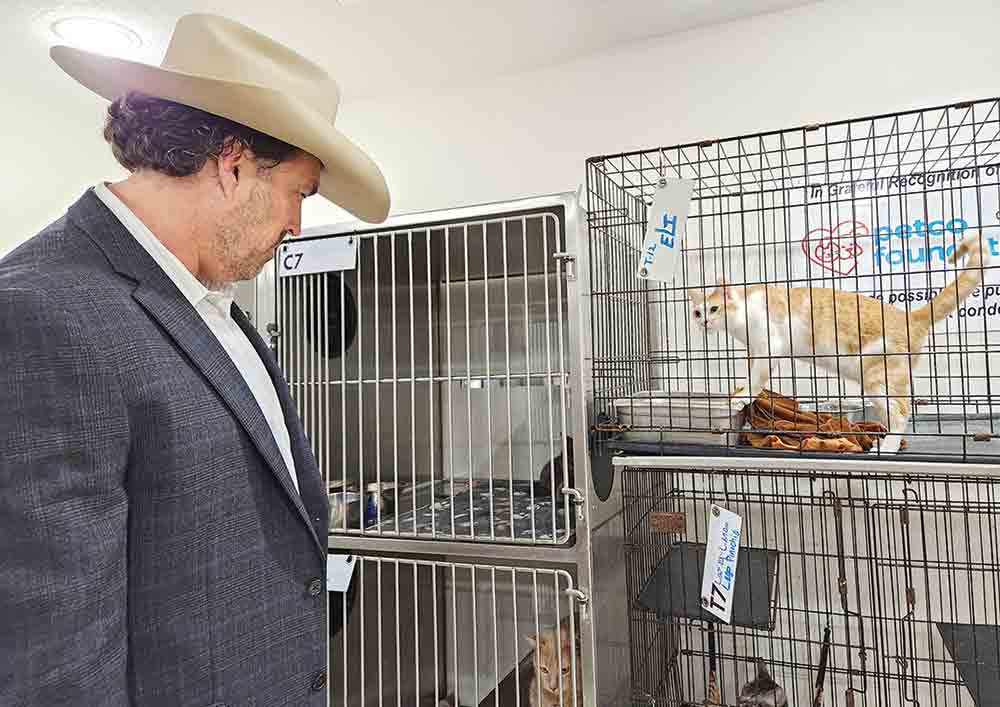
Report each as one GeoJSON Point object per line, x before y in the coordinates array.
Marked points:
{"type": "Point", "coordinates": [889, 445]}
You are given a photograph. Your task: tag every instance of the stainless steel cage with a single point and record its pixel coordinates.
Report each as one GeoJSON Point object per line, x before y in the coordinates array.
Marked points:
{"type": "Point", "coordinates": [439, 368]}
{"type": "Point", "coordinates": [434, 632]}
{"type": "Point", "coordinates": [442, 369]}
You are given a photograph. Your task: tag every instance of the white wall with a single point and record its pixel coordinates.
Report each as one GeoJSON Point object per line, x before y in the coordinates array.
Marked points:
{"type": "Point", "coordinates": [530, 133]}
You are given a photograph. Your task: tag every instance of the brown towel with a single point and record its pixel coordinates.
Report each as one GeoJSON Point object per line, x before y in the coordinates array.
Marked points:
{"type": "Point", "coordinates": [776, 422]}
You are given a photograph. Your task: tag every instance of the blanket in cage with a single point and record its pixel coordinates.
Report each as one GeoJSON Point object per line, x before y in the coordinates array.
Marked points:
{"type": "Point", "coordinates": [484, 509]}
{"type": "Point", "coordinates": [776, 422]}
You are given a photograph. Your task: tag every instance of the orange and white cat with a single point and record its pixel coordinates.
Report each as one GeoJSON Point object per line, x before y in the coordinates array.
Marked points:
{"type": "Point", "coordinates": [848, 334]}
{"type": "Point", "coordinates": [557, 663]}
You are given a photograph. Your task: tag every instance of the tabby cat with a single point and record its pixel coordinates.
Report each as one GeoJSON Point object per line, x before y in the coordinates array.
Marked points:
{"type": "Point", "coordinates": [555, 654]}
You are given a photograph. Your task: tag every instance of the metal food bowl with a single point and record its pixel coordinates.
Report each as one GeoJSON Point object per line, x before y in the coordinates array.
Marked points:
{"type": "Point", "coordinates": [852, 410]}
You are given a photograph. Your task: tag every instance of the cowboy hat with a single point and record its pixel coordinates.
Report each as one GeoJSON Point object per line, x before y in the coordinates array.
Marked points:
{"type": "Point", "coordinates": [225, 68]}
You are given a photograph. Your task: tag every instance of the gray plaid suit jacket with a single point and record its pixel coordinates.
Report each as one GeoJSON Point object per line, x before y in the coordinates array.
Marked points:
{"type": "Point", "coordinates": [153, 549]}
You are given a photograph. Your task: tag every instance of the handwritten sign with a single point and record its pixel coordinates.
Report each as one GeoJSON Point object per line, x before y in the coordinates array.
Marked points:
{"type": "Point", "coordinates": [317, 256]}
{"type": "Point", "coordinates": [665, 229]}
{"type": "Point", "coordinates": [722, 552]}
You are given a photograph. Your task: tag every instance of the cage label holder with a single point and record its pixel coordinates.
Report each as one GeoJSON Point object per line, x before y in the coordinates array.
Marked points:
{"type": "Point", "coordinates": [721, 556]}
{"type": "Point", "coordinates": [665, 230]}
{"type": "Point", "coordinates": [317, 256]}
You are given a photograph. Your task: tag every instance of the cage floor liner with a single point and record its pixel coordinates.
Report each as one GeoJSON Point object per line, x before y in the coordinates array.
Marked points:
{"type": "Point", "coordinates": [483, 509]}
{"type": "Point", "coordinates": [675, 587]}
{"type": "Point", "coordinates": [975, 650]}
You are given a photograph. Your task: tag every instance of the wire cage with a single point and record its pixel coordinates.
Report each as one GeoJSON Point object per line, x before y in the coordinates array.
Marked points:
{"type": "Point", "coordinates": [850, 268]}
{"type": "Point", "coordinates": [434, 633]}
{"type": "Point", "coordinates": [863, 584]}
{"type": "Point", "coordinates": [432, 371]}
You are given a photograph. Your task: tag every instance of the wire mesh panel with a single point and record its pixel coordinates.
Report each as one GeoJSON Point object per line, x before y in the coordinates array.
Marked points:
{"type": "Point", "coordinates": [432, 378]}
{"type": "Point", "coordinates": [439, 633]}
{"type": "Point", "coordinates": [869, 587]}
{"type": "Point", "coordinates": [852, 268]}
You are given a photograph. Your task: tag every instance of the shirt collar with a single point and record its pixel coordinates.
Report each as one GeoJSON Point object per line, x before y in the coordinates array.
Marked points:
{"type": "Point", "coordinates": [192, 288]}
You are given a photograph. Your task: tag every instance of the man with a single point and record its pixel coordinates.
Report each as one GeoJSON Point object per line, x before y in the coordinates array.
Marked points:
{"type": "Point", "coordinates": [162, 519]}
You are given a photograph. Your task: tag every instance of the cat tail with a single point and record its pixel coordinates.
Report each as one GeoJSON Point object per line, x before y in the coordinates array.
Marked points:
{"type": "Point", "coordinates": [955, 292]}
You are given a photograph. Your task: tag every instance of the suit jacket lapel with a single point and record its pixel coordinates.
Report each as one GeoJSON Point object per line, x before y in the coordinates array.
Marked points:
{"type": "Point", "coordinates": [157, 293]}
{"type": "Point", "coordinates": [312, 488]}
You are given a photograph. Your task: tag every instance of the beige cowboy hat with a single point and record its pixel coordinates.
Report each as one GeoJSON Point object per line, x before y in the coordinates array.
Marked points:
{"type": "Point", "coordinates": [227, 69]}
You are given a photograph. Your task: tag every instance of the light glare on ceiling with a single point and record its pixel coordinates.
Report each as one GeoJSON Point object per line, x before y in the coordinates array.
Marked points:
{"type": "Point", "coordinates": [97, 35]}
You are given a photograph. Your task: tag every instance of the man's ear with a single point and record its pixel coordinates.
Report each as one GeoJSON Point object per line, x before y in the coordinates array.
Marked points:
{"type": "Point", "coordinates": [233, 164]}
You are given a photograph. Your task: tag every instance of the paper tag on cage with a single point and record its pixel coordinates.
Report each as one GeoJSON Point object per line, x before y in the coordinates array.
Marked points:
{"type": "Point", "coordinates": [721, 555]}
{"type": "Point", "coordinates": [317, 256]}
{"type": "Point", "coordinates": [661, 252]}
{"type": "Point", "coordinates": [339, 570]}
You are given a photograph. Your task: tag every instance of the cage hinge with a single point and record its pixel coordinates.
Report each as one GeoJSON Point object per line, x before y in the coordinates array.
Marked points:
{"type": "Point", "coordinates": [577, 499]}
{"type": "Point", "coordinates": [581, 597]}
{"type": "Point", "coordinates": [982, 437]}
{"type": "Point", "coordinates": [569, 262]}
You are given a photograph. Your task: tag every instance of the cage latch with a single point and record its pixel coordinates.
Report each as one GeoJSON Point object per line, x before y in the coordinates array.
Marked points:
{"type": "Point", "coordinates": [275, 333]}
{"type": "Point", "coordinates": [569, 263]}
{"type": "Point", "coordinates": [577, 499]}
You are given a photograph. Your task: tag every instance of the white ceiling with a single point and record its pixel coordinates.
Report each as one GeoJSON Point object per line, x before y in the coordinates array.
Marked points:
{"type": "Point", "coordinates": [375, 49]}
{"type": "Point", "coordinates": [378, 47]}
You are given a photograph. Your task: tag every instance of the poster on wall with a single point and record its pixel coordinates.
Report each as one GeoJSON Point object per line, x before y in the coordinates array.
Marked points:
{"type": "Point", "coordinates": [890, 239]}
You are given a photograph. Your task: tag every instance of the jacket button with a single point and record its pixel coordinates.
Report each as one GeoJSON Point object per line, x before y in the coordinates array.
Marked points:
{"type": "Point", "coordinates": [316, 587]}
{"type": "Point", "coordinates": [319, 682]}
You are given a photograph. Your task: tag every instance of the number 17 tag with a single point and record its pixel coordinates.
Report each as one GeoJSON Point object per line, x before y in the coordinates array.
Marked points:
{"type": "Point", "coordinates": [721, 554]}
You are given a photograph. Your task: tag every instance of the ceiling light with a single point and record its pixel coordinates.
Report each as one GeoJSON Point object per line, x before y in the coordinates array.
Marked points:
{"type": "Point", "coordinates": [93, 34]}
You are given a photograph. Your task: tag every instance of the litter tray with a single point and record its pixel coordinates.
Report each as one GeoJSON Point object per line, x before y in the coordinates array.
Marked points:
{"type": "Point", "coordinates": [695, 418]}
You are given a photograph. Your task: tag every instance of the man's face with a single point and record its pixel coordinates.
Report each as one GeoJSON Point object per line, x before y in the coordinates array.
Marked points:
{"type": "Point", "coordinates": [265, 206]}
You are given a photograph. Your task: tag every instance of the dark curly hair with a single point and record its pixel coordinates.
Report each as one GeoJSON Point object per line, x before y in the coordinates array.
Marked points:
{"type": "Point", "coordinates": [177, 140]}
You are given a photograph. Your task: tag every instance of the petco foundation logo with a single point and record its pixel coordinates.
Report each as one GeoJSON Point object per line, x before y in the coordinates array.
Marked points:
{"type": "Point", "coordinates": [836, 250]}
{"type": "Point", "coordinates": [839, 249]}
{"type": "Point", "coordinates": [917, 243]}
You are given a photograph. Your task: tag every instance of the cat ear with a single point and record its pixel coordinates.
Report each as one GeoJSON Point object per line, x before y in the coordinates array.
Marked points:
{"type": "Point", "coordinates": [696, 295]}
{"type": "Point", "coordinates": [762, 669]}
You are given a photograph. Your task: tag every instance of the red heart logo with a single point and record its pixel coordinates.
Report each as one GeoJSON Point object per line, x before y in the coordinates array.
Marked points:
{"type": "Point", "coordinates": [836, 250]}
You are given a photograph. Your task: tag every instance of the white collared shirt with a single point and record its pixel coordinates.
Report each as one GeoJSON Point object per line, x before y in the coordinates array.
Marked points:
{"type": "Point", "coordinates": [214, 308]}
